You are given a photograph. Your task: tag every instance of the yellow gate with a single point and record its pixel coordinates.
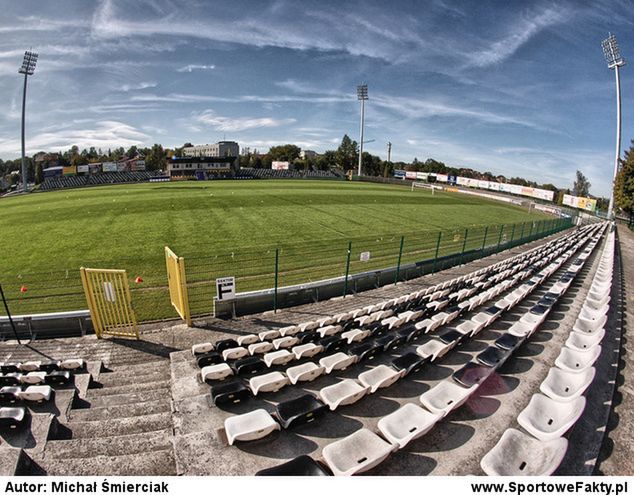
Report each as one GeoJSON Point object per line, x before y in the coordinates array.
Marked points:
{"type": "Point", "coordinates": [108, 296]}
{"type": "Point", "coordinates": [178, 285]}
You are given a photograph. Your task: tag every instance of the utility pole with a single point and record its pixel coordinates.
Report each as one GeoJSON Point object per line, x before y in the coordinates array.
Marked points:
{"type": "Point", "coordinates": [28, 67]}
{"type": "Point", "coordinates": [362, 96]}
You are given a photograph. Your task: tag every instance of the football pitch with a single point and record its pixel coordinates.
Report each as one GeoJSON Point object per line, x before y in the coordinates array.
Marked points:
{"type": "Point", "coordinates": [226, 228]}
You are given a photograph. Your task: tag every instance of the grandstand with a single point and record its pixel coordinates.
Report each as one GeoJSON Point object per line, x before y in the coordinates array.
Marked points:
{"type": "Point", "coordinates": [97, 179]}
{"type": "Point", "coordinates": [497, 366]}
{"type": "Point", "coordinates": [267, 173]}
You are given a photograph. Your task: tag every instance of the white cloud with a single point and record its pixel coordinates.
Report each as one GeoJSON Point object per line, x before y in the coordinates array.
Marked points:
{"type": "Point", "coordinates": [193, 67]}
{"type": "Point", "coordinates": [237, 124]}
{"type": "Point", "coordinates": [142, 85]}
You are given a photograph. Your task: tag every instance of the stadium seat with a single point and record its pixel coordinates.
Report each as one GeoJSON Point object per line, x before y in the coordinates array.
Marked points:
{"type": "Point", "coordinates": [519, 454]}
{"type": "Point", "coordinates": [342, 393]}
{"type": "Point", "coordinates": [215, 372]}
{"type": "Point", "coordinates": [203, 348]}
{"type": "Point", "coordinates": [547, 419]}
{"type": "Point", "coordinates": [260, 348]}
{"type": "Point", "coordinates": [509, 342]}
{"type": "Point", "coordinates": [307, 350]}
{"type": "Point", "coordinates": [221, 345]}
{"type": "Point", "coordinates": [522, 329]}
{"type": "Point", "coordinates": [229, 393]}
{"type": "Point", "coordinates": [289, 330]}
{"type": "Point", "coordinates": [307, 337]}
{"type": "Point", "coordinates": [58, 378]}
{"type": "Point", "coordinates": [278, 358]}
{"type": "Point", "coordinates": [587, 326]}
{"type": "Point", "coordinates": [564, 386]}
{"type": "Point", "coordinates": [248, 366]}
{"type": "Point", "coordinates": [446, 396]}
{"type": "Point", "coordinates": [355, 335]}
{"type": "Point", "coordinates": [365, 350]}
{"type": "Point", "coordinates": [381, 376]}
{"type": "Point", "coordinates": [250, 426]}
{"type": "Point", "coordinates": [578, 341]}
{"type": "Point", "coordinates": [12, 417]}
{"type": "Point", "coordinates": [234, 353]}
{"type": "Point", "coordinates": [328, 330]}
{"type": "Point", "coordinates": [37, 393]}
{"type": "Point", "coordinates": [51, 365]}
{"type": "Point", "coordinates": [494, 356]}
{"type": "Point", "coordinates": [472, 374]}
{"type": "Point", "coordinates": [577, 361]}
{"type": "Point", "coordinates": [33, 377]}
{"type": "Point", "coordinates": [270, 382]}
{"type": "Point", "coordinates": [468, 328]}
{"type": "Point", "coordinates": [247, 340]}
{"type": "Point", "coordinates": [300, 466]}
{"type": "Point", "coordinates": [208, 359]}
{"type": "Point", "coordinates": [356, 453]}
{"type": "Point", "coordinates": [390, 341]}
{"type": "Point", "coordinates": [338, 361]}
{"type": "Point", "coordinates": [307, 326]}
{"type": "Point", "coordinates": [306, 372]}
{"type": "Point", "coordinates": [28, 366]}
{"type": "Point", "coordinates": [10, 395]}
{"type": "Point", "coordinates": [333, 343]}
{"type": "Point", "coordinates": [408, 363]}
{"type": "Point", "coordinates": [406, 424]}
{"type": "Point", "coordinates": [10, 379]}
{"type": "Point", "coordinates": [433, 349]}
{"type": "Point", "coordinates": [268, 335]}
{"type": "Point", "coordinates": [285, 342]}
{"type": "Point", "coordinates": [9, 367]}
{"type": "Point", "coordinates": [299, 411]}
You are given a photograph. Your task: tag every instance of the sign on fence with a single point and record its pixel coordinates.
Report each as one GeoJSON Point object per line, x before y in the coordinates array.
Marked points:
{"type": "Point", "coordinates": [226, 288]}
{"type": "Point", "coordinates": [365, 256]}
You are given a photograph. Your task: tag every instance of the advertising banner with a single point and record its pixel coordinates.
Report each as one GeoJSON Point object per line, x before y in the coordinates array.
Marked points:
{"type": "Point", "coordinates": [109, 166]}
{"type": "Point", "coordinates": [83, 169]}
{"type": "Point", "coordinates": [410, 175]}
{"type": "Point", "coordinates": [279, 165]}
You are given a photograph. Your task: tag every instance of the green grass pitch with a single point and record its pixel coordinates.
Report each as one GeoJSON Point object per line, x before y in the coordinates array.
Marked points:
{"type": "Point", "coordinates": [225, 228]}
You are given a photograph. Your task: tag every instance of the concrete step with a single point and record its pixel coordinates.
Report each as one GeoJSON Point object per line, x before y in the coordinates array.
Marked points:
{"type": "Point", "coordinates": [126, 389]}
{"type": "Point", "coordinates": [140, 368]}
{"type": "Point", "coordinates": [130, 398]}
{"type": "Point", "coordinates": [157, 463]}
{"type": "Point", "coordinates": [120, 426]}
{"type": "Point", "coordinates": [136, 443]}
{"type": "Point", "coordinates": [121, 411]}
{"type": "Point", "coordinates": [119, 378]}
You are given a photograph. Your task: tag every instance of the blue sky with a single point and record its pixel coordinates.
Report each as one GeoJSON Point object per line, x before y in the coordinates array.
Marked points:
{"type": "Point", "coordinates": [513, 87]}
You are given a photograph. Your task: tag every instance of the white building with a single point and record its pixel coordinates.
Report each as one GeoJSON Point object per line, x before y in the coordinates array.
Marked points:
{"type": "Point", "coordinates": [220, 149]}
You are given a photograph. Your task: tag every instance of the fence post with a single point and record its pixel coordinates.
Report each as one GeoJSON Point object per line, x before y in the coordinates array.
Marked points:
{"type": "Point", "coordinates": [464, 244]}
{"type": "Point", "coordinates": [398, 265]}
{"type": "Point", "coordinates": [484, 242]}
{"type": "Point", "coordinates": [277, 264]}
{"type": "Point", "coordinates": [530, 233]}
{"type": "Point", "coordinates": [522, 234]}
{"type": "Point", "coordinates": [345, 283]}
{"type": "Point", "coordinates": [437, 248]}
{"type": "Point", "coordinates": [500, 237]}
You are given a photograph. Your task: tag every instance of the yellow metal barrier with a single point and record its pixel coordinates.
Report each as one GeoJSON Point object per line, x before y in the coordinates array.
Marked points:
{"type": "Point", "coordinates": [178, 285]}
{"type": "Point", "coordinates": [108, 296]}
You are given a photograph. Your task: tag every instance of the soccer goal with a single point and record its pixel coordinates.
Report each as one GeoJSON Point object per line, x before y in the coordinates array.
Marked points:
{"type": "Point", "coordinates": [425, 185]}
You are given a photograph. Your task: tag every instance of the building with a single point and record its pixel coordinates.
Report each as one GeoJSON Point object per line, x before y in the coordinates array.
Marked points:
{"type": "Point", "coordinates": [202, 167]}
{"type": "Point", "coordinates": [308, 154]}
{"type": "Point", "coordinates": [222, 148]}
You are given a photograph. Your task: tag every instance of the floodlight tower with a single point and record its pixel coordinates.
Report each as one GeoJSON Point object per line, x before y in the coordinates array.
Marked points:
{"type": "Point", "coordinates": [362, 95]}
{"type": "Point", "coordinates": [28, 68]}
{"type": "Point", "coordinates": [613, 57]}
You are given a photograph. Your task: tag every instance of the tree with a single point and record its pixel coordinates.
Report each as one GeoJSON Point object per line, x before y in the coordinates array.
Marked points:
{"type": "Point", "coordinates": [624, 183]}
{"type": "Point", "coordinates": [346, 154]}
{"type": "Point", "coordinates": [284, 153]}
{"type": "Point", "coordinates": [39, 173]}
{"type": "Point", "coordinates": [581, 186]}
{"type": "Point", "coordinates": [155, 158]}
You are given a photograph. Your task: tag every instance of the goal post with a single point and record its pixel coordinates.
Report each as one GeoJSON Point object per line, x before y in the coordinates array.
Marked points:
{"type": "Point", "coordinates": [424, 185]}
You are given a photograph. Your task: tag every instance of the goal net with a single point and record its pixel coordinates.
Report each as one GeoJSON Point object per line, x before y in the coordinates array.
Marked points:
{"type": "Point", "coordinates": [425, 185]}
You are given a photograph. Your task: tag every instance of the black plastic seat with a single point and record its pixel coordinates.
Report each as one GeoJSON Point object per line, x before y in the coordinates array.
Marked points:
{"type": "Point", "coordinates": [365, 350]}
{"type": "Point", "coordinates": [449, 336]}
{"type": "Point", "coordinates": [248, 365]}
{"type": "Point", "coordinates": [472, 374]}
{"type": "Point", "coordinates": [49, 366]}
{"type": "Point", "coordinates": [539, 309]}
{"type": "Point", "coordinates": [303, 465]}
{"type": "Point", "coordinates": [509, 342]}
{"type": "Point", "coordinates": [208, 359]}
{"type": "Point", "coordinates": [410, 332]}
{"type": "Point", "coordinates": [299, 411]}
{"type": "Point", "coordinates": [9, 367]}
{"type": "Point", "coordinates": [548, 299]}
{"type": "Point", "coordinates": [10, 379]}
{"type": "Point", "coordinates": [377, 329]}
{"type": "Point", "coordinates": [334, 343]}
{"type": "Point", "coordinates": [229, 393]}
{"type": "Point", "coordinates": [493, 356]}
{"type": "Point", "coordinates": [410, 362]}
{"type": "Point", "coordinates": [12, 417]}
{"type": "Point", "coordinates": [221, 345]}
{"type": "Point", "coordinates": [58, 378]}
{"type": "Point", "coordinates": [10, 395]}
{"type": "Point", "coordinates": [307, 337]}
{"type": "Point", "coordinates": [391, 341]}
{"type": "Point", "coordinates": [493, 310]}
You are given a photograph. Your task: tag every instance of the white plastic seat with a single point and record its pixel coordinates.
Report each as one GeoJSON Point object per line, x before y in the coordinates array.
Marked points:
{"type": "Point", "coordinates": [271, 382]}
{"type": "Point", "coordinates": [547, 419]}
{"type": "Point", "coordinates": [446, 396]}
{"type": "Point", "coordinates": [577, 361]}
{"type": "Point", "coordinates": [342, 393]}
{"type": "Point", "coordinates": [307, 350]}
{"type": "Point", "coordinates": [325, 321]}
{"type": "Point", "coordinates": [269, 335]}
{"type": "Point", "coordinates": [33, 377]}
{"type": "Point", "coordinates": [355, 335]}
{"type": "Point", "coordinates": [285, 342]}
{"type": "Point", "coordinates": [466, 327]}
{"type": "Point", "coordinates": [29, 366]}
{"type": "Point", "coordinates": [260, 348]}
{"type": "Point", "coordinates": [381, 376]}
{"type": "Point", "coordinates": [338, 361]}
{"type": "Point", "coordinates": [564, 386]}
{"type": "Point", "coordinates": [306, 372]}
{"type": "Point", "coordinates": [343, 317]}
{"type": "Point", "coordinates": [407, 423]}
{"type": "Point", "coordinates": [234, 353]}
{"type": "Point", "coordinates": [590, 314]}
{"type": "Point", "coordinates": [203, 348]}
{"type": "Point", "coordinates": [280, 357]}
{"type": "Point", "coordinates": [392, 322]}
{"type": "Point", "coordinates": [250, 426]}
{"type": "Point", "coordinates": [72, 364]}
{"type": "Point", "coordinates": [533, 319]}
{"type": "Point", "coordinates": [248, 339]}
{"type": "Point", "coordinates": [216, 372]}
{"type": "Point", "coordinates": [598, 304]}
{"type": "Point", "coordinates": [356, 453]}
{"type": "Point", "coordinates": [580, 341]}
{"type": "Point", "coordinates": [37, 393]}
{"type": "Point", "coordinates": [584, 325]}
{"type": "Point", "coordinates": [329, 330]}
{"type": "Point", "coordinates": [522, 329]}
{"type": "Point", "coordinates": [434, 349]}
{"type": "Point", "coordinates": [519, 454]}
{"type": "Point", "coordinates": [411, 315]}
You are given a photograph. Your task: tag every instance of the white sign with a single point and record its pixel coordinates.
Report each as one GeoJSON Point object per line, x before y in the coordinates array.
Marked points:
{"type": "Point", "coordinates": [226, 288]}
{"type": "Point", "coordinates": [365, 256]}
{"type": "Point", "coordinates": [279, 165]}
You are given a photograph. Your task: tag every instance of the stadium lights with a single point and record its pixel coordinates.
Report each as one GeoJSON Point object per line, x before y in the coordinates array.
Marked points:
{"type": "Point", "coordinates": [28, 68]}
{"type": "Point", "coordinates": [613, 57]}
{"type": "Point", "coordinates": [362, 95]}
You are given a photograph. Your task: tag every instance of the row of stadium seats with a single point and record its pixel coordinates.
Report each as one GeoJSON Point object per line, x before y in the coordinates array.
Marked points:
{"type": "Point", "coordinates": [96, 179]}
{"type": "Point", "coordinates": [267, 173]}
{"type": "Point", "coordinates": [551, 413]}
{"type": "Point", "coordinates": [365, 449]}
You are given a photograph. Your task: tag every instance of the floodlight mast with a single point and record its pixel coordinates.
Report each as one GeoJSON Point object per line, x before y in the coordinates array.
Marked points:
{"type": "Point", "coordinates": [613, 57]}
{"type": "Point", "coordinates": [362, 95]}
{"type": "Point", "coordinates": [28, 68]}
